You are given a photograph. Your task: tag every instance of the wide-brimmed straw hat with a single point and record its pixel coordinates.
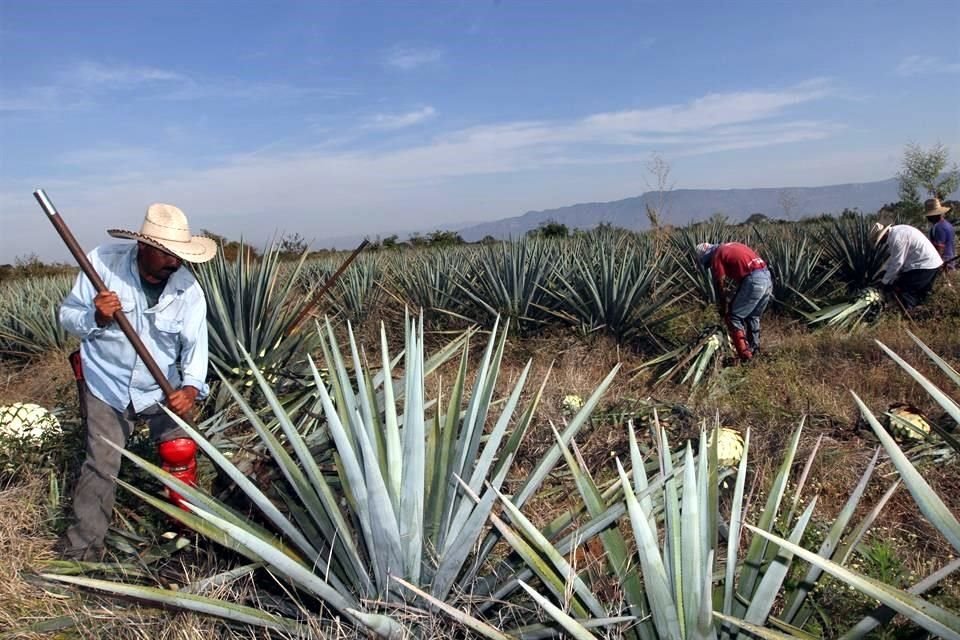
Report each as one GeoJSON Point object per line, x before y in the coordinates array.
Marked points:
{"type": "Point", "coordinates": [165, 227]}
{"type": "Point", "coordinates": [932, 207]}
{"type": "Point", "coordinates": [879, 232]}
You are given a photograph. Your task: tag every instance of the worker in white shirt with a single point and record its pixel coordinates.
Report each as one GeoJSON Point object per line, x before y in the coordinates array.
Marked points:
{"type": "Point", "coordinates": [913, 264]}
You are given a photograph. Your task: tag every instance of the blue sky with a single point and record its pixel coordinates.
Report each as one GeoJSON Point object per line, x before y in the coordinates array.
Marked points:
{"type": "Point", "coordinates": [337, 119]}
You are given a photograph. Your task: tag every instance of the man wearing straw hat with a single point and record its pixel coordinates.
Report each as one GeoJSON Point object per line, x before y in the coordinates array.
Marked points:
{"type": "Point", "coordinates": [912, 265]}
{"type": "Point", "coordinates": [942, 234]}
{"type": "Point", "coordinates": [166, 307]}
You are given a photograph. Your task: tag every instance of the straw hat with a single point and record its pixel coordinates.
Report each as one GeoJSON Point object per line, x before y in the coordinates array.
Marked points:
{"type": "Point", "coordinates": [165, 227]}
{"type": "Point", "coordinates": [879, 232]}
{"type": "Point", "coordinates": [932, 207]}
{"type": "Point", "coordinates": [704, 251]}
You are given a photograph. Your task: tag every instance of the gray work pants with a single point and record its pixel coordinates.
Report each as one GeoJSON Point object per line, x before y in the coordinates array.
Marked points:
{"type": "Point", "coordinates": [96, 488]}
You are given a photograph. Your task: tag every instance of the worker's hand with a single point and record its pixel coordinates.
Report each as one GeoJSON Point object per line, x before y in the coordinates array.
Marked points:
{"type": "Point", "coordinates": [105, 304]}
{"type": "Point", "coordinates": [183, 401]}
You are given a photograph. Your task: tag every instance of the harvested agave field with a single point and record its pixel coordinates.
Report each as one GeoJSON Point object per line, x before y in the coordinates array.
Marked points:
{"type": "Point", "coordinates": [559, 445]}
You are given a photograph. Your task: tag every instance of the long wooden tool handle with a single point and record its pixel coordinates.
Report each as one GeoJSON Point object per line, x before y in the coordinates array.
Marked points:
{"type": "Point", "coordinates": [326, 287]}
{"type": "Point", "coordinates": [98, 284]}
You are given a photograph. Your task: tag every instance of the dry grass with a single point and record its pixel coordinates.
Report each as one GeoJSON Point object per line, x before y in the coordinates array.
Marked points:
{"type": "Point", "coordinates": [24, 546]}
{"type": "Point", "coordinates": [47, 381]}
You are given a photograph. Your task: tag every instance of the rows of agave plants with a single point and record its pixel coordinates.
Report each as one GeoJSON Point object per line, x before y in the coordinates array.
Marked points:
{"type": "Point", "coordinates": [625, 284]}
{"type": "Point", "coordinates": [382, 501]}
{"type": "Point", "coordinates": [421, 511]}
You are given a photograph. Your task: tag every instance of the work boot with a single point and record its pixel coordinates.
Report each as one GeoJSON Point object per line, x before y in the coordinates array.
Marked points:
{"type": "Point", "coordinates": [739, 339]}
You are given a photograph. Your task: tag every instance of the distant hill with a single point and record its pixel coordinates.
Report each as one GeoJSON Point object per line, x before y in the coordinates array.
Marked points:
{"type": "Point", "coordinates": [687, 205]}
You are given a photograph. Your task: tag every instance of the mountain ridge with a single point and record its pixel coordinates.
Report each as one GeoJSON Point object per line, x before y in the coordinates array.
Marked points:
{"type": "Point", "coordinates": [683, 206]}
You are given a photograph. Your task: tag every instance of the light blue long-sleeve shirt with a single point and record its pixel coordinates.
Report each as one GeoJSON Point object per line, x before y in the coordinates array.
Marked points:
{"type": "Point", "coordinates": [173, 330]}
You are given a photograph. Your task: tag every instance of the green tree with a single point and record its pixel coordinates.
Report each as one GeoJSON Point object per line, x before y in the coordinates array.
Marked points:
{"type": "Point", "coordinates": [924, 174]}
{"type": "Point", "coordinates": [292, 246]}
{"type": "Point", "coordinates": [550, 229]}
{"type": "Point", "coordinates": [390, 242]}
{"type": "Point", "coordinates": [230, 248]}
{"type": "Point", "coordinates": [418, 240]}
{"type": "Point", "coordinates": [440, 238]}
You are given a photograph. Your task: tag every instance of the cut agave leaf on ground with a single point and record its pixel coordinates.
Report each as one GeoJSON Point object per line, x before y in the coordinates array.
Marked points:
{"type": "Point", "coordinates": [945, 401]}
{"type": "Point", "coordinates": [757, 630]}
{"type": "Point", "coordinates": [931, 617]}
{"type": "Point", "coordinates": [463, 618]}
{"type": "Point", "coordinates": [884, 614]}
{"type": "Point", "coordinates": [572, 627]}
{"type": "Point", "coordinates": [930, 504]}
{"type": "Point", "coordinates": [940, 362]}
{"type": "Point", "coordinates": [189, 602]}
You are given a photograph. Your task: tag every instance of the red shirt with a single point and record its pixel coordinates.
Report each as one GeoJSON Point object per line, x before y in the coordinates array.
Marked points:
{"type": "Point", "coordinates": [735, 261]}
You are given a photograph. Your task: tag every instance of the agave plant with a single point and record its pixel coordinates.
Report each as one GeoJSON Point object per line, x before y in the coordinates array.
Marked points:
{"type": "Point", "coordinates": [677, 597]}
{"type": "Point", "coordinates": [428, 280]}
{"type": "Point", "coordinates": [797, 267]}
{"type": "Point", "coordinates": [253, 307]}
{"type": "Point", "coordinates": [509, 279]}
{"type": "Point", "coordinates": [694, 362]}
{"type": "Point", "coordinates": [850, 313]}
{"type": "Point", "coordinates": [931, 617]}
{"type": "Point", "coordinates": [29, 323]}
{"type": "Point", "coordinates": [612, 285]}
{"type": "Point", "coordinates": [358, 292]}
{"type": "Point", "coordinates": [850, 250]}
{"type": "Point", "coordinates": [401, 518]}
{"type": "Point", "coordinates": [684, 253]}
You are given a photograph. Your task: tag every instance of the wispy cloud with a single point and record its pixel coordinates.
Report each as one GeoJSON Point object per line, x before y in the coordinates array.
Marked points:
{"type": "Point", "coordinates": [406, 58]}
{"type": "Point", "coordinates": [41, 98]}
{"type": "Point", "coordinates": [95, 75]}
{"type": "Point", "coordinates": [400, 120]}
{"type": "Point", "coordinates": [362, 189]}
{"type": "Point", "coordinates": [88, 83]}
{"type": "Point", "coordinates": [926, 65]}
{"type": "Point", "coordinates": [712, 110]}
{"type": "Point", "coordinates": [107, 156]}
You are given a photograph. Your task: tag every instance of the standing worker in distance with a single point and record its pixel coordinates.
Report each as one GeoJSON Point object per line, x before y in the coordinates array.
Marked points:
{"type": "Point", "coordinates": [942, 234]}
{"type": "Point", "coordinates": [167, 308]}
{"type": "Point", "coordinates": [740, 264]}
{"type": "Point", "coordinates": [913, 264]}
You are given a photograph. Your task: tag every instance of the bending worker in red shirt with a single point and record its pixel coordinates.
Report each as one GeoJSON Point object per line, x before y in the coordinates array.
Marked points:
{"type": "Point", "coordinates": [740, 264]}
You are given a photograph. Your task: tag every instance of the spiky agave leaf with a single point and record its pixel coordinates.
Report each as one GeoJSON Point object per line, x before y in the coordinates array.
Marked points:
{"type": "Point", "coordinates": [692, 363]}
{"type": "Point", "coordinates": [797, 265]}
{"type": "Point", "coordinates": [381, 527]}
{"type": "Point", "coordinates": [851, 251]}
{"type": "Point", "coordinates": [29, 322]}
{"type": "Point", "coordinates": [178, 599]}
{"type": "Point", "coordinates": [934, 619]}
{"type": "Point", "coordinates": [615, 286]}
{"type": "Point", "coordinates": [252, 307]}
{"type": "Point", "coordinates": [509, 279]}
{"type": "Point", "coordinates": [850, 313]}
